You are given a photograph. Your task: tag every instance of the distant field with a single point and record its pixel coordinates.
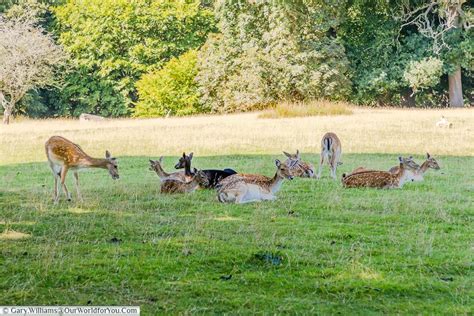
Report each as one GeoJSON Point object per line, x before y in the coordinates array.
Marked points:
{"type": "Point", "coordinates": [318, 249]}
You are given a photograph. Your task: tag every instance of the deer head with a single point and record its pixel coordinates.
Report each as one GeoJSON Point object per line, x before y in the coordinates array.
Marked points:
{"type": "Point", "coordinates": [201, 178]}
{"type": "Point", "coordinates": [431, 162]}
{"type": "Point", "coordinates": [155, 164]}
{"type": "Point", "coordinates": [111, 165]}
{"type": "Point", "coordinates": [283, 170]}
{"type": "Point", "coordinates": [185, 159]}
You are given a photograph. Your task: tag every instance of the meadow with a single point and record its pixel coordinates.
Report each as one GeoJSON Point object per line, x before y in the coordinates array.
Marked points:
{"type": "Point", "coordinates": [317, 249]}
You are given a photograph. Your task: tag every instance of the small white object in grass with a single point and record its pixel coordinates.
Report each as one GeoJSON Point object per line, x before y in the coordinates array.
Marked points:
{"type": "Point", "coordinates": [85, 117]}
{"type": "Point", "coordinates": [443, 123]}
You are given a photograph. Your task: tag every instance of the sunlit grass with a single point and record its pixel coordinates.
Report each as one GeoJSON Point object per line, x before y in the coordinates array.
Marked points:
{"type": "Point", "coordinates": [303, 109]}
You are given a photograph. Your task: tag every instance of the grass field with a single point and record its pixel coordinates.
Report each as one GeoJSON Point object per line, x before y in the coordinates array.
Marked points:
{"type": "Point", "coordinates": [318, 249]}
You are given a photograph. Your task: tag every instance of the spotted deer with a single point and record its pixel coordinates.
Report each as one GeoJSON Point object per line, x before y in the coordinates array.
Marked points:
{"type": "Point", "coordinates": [331, 152]}
{"type": "Point", "coordinates": [179, 186]}
{"type": "Point", "coordinates": [245, 188]}
{"type": "Point", "coordinates": [418, 174]}
{"type": "Point", "coordinates": [380, 179]}
{"type": "Point", "coordinates": [157, 167]}
{"type": "Point", "coordinates": [300, 168]}
{"type": "Point", "coordinates": [63, 155]}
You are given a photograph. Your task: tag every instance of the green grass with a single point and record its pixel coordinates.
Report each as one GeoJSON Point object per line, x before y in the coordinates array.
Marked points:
{"type": "Point", "coordinates": [303, 109]}
{"type": "Point", "coordinates": [318, 249]}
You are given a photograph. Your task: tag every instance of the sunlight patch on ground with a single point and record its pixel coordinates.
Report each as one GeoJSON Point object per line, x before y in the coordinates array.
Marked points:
{"type": "Point", "coordinates": [226, 218]}
{"type": "Point", "coordinates": [18, 223]}
{"type": "Point", "coordinates": [13, 235]}
{"type": "Point", "coordinates": [78, 210]}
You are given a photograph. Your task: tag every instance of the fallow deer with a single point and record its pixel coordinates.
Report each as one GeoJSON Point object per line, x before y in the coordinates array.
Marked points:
{"type": "Point", "coordinates": [379, 179]}
{"type": "Point", "coordinates": [418, 174]}
{"type": "Point", "coordinates": [300, 168]}
{"type": "Point", "coordinates": [331, 152]}
{"type": "Point", "coordinates": [245, 188]}
{"type": "Point", "coordinates": [157, 166]}
{"type": "Point", "coordinates": [63, 155]}
{"type": "Point", "coordinates": [178, 186]}
{"type": "Point", "coordinates": [214, 176]}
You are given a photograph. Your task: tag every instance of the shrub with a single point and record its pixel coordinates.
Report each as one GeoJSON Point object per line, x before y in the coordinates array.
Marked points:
{"type": "Point", "coordinates": [266, 52]}
{"type": "Point", "coordinates": [171, 90]}
{"type": "Point", "coordinates": [425, 73]}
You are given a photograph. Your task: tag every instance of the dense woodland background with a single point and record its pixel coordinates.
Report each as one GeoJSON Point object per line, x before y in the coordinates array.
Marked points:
{"type": "Point", "coordinates": [150, 58]}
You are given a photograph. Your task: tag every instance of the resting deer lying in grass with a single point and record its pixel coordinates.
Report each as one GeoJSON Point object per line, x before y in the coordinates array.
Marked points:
{"type": "Point", "coordinates": [245, 188]}
{"type": "Point", "coordinates": [331, 152]}
{"type": "Point", "coordinates": [157, 166]}
{"type": "Point", "coordinates": [300, 168]}
{"type": "Point", "coordinates": [63, 155]}
{"type": "Point", "coordinates": [214, 176]}
{"type": "Point", "coordinates": [380, 179]}
{"type": "Point", "coordinates": [417, 175]}
{"type": "Point", "coordinates": [178, 186]}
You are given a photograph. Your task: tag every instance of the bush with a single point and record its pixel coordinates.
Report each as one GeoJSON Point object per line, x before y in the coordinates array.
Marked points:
{"type": "Point", "coordinates": [423, 74]}
{"type": "Point", "coordinates": [171, 90]}
{"type": "Point", "coordinates": [266, 52]}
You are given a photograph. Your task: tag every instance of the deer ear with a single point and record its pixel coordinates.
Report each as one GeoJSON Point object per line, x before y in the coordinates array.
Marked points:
{"type": "Point", "coordinates": [107, 154]}
{"type": "Point", "coordinates": [184, 155]}
{"type": "Point", "coordinates": [278, 163]}
{"type": "Point", "coordinates": [400, 158]}
{"type": "Point", "coordinates": [151, 161]}
{"type": "Point", "coordinates": [190, 155]}
{"type": "Point", "coordinates": [286, 154]}
{"type": "Point", "coordinates": [298, 153]}
{"type": "Point", "coordinates": [428, 156]}
{"type": "Point", "coordinates": [160, 159]}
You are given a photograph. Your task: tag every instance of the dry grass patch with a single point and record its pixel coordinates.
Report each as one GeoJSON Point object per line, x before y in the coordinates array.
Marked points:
{"type": "Point", "coordinates": [303, 109]}
{"type": "Point", "coordinates": [13, 235]}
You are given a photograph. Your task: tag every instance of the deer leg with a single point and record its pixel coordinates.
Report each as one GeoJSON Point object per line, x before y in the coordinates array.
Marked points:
{"type": "Point", "coordinates": [76, 182]}
{"type": "Point", "coordinates": [63, 182]}
{"type": "Point", "coordinates": [321, 162]}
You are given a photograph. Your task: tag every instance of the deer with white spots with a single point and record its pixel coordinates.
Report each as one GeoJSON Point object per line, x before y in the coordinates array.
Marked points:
{"type": "Point", "coordinates": [63, 155]}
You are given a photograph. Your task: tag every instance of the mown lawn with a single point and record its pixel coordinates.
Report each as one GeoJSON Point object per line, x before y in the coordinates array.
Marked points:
{"type": "Point", "coordinates": [318, 249]}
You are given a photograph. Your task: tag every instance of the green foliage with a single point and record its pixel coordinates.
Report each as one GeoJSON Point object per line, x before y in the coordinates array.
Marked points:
{"type": "Point", "coordinates": [170, 90]}
{"type": "Point", "coordinates": [425, 73]}
{"type": "Point", "coordinates": [267, 52]}
{"type": "Point", "coordinates": [116, 41]}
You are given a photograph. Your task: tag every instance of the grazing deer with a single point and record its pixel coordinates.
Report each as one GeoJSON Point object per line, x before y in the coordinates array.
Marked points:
{"type": "Point", "coordinates": [300, 168]}
{"type": "Point", "coordinates": [178, 186]}
{"type": "Point", "coordinates": [63, 155]}
{"type": "Point", "coordinates": [380, 179]}
{"type": "Point", "coordinates": [157, 166]}
{"type": "Point", "coordinates": [418, 174]}
{"type": "Point", "coordinates": [214, 176]}
{"type": "Point", "coordinates": [331, 152]}
{"type": "Point", "coordinates": [245, 188]}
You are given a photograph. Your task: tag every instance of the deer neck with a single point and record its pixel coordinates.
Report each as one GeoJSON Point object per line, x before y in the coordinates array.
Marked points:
{"type": "Point", "coordinates": [160, 172]}
{"type": "Point", "coordinates": [187, 169]}
{"type": "Point", "coordinates": [96, 162]}
{"type": "Point", "coordinates": [424, 166]}
{"type": "Point", "coordinates": [275, 183]}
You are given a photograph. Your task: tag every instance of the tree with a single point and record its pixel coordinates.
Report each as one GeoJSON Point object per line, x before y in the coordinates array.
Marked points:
{"type": "Point", "coordinates": [115, 42]}
{"type": "Point", "coordinates": [269, 51]}
{"type": "Point", "coordinates": [442, 21]}
{"type": "Point", "coordinates": [28, 60]}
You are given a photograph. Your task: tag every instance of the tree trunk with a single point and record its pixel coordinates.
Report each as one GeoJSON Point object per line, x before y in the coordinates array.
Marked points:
{"type": "Point", "coordinates": [6, 116]}
{"type": "Point", "coordinates": [454, 79]}
{"type": "Point", "coordinates": [455, 89]}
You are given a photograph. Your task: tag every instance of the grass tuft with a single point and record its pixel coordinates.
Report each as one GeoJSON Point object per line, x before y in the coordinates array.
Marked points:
{"type": "Point", "coordinates": [303, 109]}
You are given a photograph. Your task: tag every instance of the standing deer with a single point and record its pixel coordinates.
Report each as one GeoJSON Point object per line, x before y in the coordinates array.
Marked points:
{"type": "Point", "coordinates": [331, 152]}
{"type": "Point", "coordinates": [245, 188]}
{"type": "Point", "coordinates": [380, 179]}
{"type": "Point", "coordinates": [63, 155]}
{"type": "Point", "coordinates": [214, 176]}
{"type": "Point", "coordinates": [418, 174]}
{"type": "Point", "coordinates": [300, 168]}
{"type": "Point", "coordinates": [179, 186]}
